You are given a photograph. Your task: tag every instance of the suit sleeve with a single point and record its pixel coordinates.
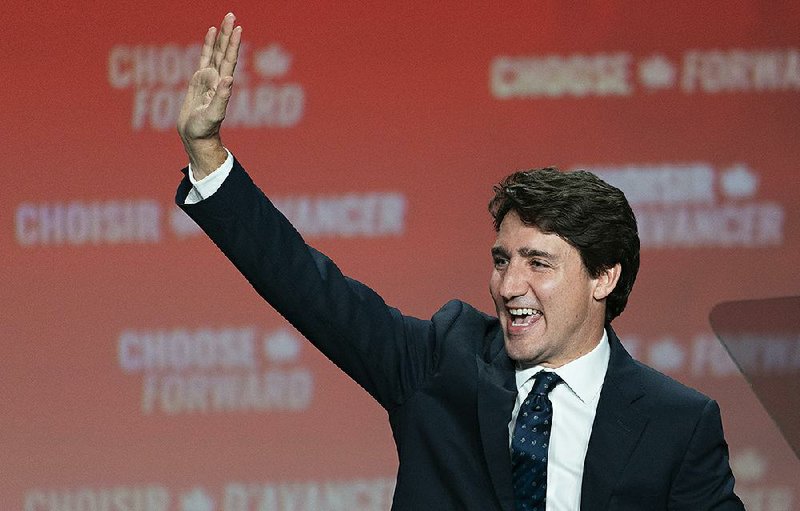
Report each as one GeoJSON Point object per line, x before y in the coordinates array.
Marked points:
{"type": "Point", "coordinates": [704, 480]}
{"type": "Point", "coordinates": [385, 352]}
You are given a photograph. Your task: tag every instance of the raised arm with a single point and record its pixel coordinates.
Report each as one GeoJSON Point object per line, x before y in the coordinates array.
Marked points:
{"type": "Point", "coordinates": [388, 353]}
{"type": "Point", "coordinates": [206, 100]}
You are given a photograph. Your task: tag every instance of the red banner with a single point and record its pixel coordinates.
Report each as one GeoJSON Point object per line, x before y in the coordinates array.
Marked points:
{"type": "Point", "coordinates": [141, 372]}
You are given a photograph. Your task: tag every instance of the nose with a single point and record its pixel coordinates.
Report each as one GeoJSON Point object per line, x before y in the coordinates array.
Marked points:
{"type": "Point", "coordinates": [513, 282]}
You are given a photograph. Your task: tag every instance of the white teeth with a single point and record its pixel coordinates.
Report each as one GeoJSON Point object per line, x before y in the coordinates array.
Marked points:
{"type": "Point", "coordinates": [523, 312]}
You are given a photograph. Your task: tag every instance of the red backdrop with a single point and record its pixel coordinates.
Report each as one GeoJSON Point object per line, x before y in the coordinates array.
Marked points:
{"type": "Point", "coordinates": [139, 371]}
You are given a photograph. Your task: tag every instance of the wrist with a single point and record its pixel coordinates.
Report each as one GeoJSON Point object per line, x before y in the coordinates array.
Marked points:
{"type": "Point", "coordinates": [205, 155]}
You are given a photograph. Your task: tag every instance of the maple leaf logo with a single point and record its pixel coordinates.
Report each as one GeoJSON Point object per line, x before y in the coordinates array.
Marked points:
{"type": "Point", "coordinates": [272, 61]}
{"type": "Point", "coordinates": [196, 500]}
{"type": "Point", "coordinates": [739, 181]}
{"type": "Point", "coordinates": [657, 72]}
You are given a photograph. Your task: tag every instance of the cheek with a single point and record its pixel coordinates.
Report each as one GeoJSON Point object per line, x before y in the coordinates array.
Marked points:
{"type": "Point", "coordinates": [548, 288]}
{"type": "Point", "coordinates": [494, 283]}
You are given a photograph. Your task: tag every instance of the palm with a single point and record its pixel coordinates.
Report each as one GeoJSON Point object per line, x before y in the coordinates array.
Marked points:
{"type": "Point", "coordinates": [197, 119]}
{"type": "Point", "coordinates": [209, 89]}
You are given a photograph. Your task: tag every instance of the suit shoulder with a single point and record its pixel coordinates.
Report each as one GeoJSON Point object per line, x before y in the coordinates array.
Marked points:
{"type": "Point", "coordinates": [669, 392]}
{"type": "Point", "coordinates": [460, 323]}
{"type": "Point", "coordinates": [464, 315]}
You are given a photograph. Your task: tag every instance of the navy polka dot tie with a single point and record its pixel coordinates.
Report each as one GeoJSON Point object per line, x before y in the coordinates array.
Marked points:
{"type": "Point", "coordinates": [529, 444]}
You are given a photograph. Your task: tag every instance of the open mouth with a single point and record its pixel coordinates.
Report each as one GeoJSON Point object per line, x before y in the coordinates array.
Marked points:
{"type": "Point", "coordinates": [521, 316]}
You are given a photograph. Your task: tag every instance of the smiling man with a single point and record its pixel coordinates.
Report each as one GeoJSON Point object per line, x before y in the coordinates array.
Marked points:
{"type": "Point", "coordinates": [564, 243]}
{"type": "Point", "coordinates": [539, 408]}
{"type": "Point", "coordinates": [565, 259]}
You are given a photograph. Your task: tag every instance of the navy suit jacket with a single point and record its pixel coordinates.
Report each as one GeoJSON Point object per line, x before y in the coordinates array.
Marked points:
{"type": "Point", "coordinates": [448, 385]}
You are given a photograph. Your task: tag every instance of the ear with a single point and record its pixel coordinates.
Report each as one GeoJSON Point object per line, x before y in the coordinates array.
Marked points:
{"type": "Point", "coordinates": [606, 282]}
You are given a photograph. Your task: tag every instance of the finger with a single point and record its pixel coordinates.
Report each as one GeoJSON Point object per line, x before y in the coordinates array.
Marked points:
{"type": "Point", "coordinates": [228, 64]}
{"type": "Point", "coordinates": [208, 48]}
{"type": "Point", "coordinates": [225, 29]}
{"type": "Point", "coordinates": [219, 103]}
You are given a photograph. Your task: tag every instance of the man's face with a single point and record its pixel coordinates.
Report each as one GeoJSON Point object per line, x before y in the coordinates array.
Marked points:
{"type": "Point", "coordinates": [550, 309]}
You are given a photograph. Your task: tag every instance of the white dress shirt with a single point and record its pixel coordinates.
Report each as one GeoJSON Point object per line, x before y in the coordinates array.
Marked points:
{"type": "Point", "coordinates": [574, 407]}
{"type": "Point", "coordinates": [207, 186]}
{"type": "Point", "coordinates": [574, 401]}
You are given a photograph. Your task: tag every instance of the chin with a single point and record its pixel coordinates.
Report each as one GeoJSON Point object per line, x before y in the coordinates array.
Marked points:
{"type": "Point", "coordinates": [519, 354]}
{"type": "Point", "coordinates": [530, 348]}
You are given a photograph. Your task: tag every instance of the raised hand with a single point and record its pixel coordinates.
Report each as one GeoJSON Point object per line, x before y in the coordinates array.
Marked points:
{"type": "Point", "coordinates": [207, 98]}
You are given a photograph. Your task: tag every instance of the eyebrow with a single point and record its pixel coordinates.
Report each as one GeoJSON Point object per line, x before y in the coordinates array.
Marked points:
{"type": "Point", "coordinates": [532, 252]}
{"type": "Point", "coordinates": [525, 252]}
{"type": "Point", "coordinates": [499, 251]}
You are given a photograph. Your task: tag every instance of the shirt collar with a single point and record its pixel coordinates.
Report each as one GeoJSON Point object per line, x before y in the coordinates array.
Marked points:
{"type": "Point", "coordinates": [584, 375]}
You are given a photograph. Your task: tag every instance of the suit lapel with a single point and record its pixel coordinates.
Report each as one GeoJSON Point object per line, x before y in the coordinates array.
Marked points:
{"type": "Point", "coordinates": [616, 429]}
{"type": "Point", "coordinates": [496, 394]}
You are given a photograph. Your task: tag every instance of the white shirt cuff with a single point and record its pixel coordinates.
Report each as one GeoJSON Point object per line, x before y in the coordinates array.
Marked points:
{"type": "Point", "coordinates": [207, 186]}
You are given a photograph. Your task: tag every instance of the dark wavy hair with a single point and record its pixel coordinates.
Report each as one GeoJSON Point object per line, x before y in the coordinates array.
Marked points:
{"type": "Point", "coordinates": [585, 211]}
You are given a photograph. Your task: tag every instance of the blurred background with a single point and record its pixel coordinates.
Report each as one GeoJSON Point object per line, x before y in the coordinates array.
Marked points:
{"type": "Point", "coordinates": [139, 371]}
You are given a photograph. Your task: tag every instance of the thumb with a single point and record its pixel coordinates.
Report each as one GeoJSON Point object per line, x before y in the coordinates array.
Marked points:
{"type": "Point", "coordinates": [219, 103]}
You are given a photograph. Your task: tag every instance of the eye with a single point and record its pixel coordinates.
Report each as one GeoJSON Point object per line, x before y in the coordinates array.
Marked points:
{"type": "Point", "coordinates": [536, 263]}
{"type": "Point", "coordinates": [500, 262]}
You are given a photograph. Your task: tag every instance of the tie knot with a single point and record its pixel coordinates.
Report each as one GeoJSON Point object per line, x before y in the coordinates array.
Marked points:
{"type": "Point", "coordinates": [544, 382]}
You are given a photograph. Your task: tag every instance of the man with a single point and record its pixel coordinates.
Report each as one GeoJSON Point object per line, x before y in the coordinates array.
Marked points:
{"type": "Point", "coordinates": [539, 408]}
